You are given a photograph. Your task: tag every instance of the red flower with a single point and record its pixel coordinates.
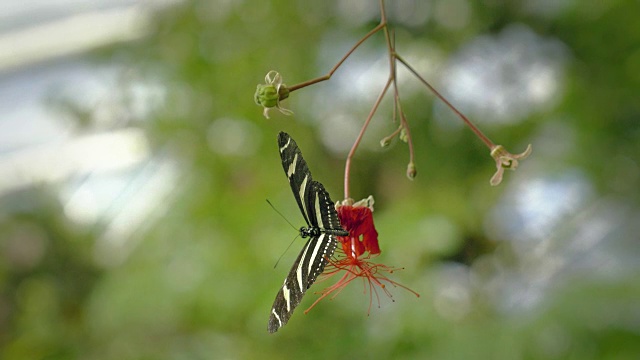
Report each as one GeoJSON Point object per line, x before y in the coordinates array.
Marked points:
{"type": "Point", "coordinates": [357, 219]}
{"type": "Point", "coordinates": [357, 249]}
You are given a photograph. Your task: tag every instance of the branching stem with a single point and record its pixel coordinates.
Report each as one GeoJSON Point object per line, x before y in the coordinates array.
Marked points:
{"type": "Point", "coordinates": [330, 73]}
{"type": "Point", "coordinates": [347, 167]}
{"type": "Point", "coordinates": [397, 109]}
{"type": "Point", "coordinates": [477, 131]}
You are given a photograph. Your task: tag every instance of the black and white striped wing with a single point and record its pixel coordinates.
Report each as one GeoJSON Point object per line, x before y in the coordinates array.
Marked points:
{"type": "Point", "coordinates": [322, 210]}
{"type": "Point", "coordinates": [297, 172]}
{"type": "Point", "coordinates": [304, 272]}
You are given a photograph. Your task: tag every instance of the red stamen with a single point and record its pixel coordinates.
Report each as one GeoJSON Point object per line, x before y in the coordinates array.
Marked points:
{"type": "Point", "coordinates": [353, 257]}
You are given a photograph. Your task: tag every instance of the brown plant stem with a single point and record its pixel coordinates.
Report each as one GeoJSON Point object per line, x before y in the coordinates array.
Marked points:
{"type": "Point", "coordinates": [391, 47]}
{"type": "Point", "coordinates": [405, 125]}
{"type": "Point", "coordinates": [336, 66]}
{"type": "Point", "coordinates": [477, 131]}
{"type": "Point", "coordinates": [347, 167]}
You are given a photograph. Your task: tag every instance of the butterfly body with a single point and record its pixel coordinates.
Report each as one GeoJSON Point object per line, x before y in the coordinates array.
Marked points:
{"type": "Point", "coordinates": [306, 232]}
{"type": "Point", "coordinates": [323, 226]}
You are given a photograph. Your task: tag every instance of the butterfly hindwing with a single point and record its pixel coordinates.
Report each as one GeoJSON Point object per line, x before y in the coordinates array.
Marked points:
{"type": "Point", "coordinates": [324, 211]}
{"type": "Point", "coordinates": [304, 272]}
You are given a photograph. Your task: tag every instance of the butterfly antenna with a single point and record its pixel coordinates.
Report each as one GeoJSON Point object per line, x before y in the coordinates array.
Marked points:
{"type": "Point", "coordinates": [279, 213]}
{"type": "Point", "coordinates": [285, 251]}
{"type": "Point", "coordinates": [288, 222]}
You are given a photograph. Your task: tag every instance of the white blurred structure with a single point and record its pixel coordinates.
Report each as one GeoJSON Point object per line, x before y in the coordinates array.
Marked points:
{"type": "Point", "coordinates": [105, 175]}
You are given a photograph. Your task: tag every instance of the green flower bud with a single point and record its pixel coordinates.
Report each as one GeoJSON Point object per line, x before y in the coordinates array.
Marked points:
{"type": "Point", "coordinates": [411, 171]}
{"type": "Point", "coordinates": [269, 94]}
{"type": "Point", "coordinates": [266, 95]}
{"type": "Point", "coordinates": [403, 135]}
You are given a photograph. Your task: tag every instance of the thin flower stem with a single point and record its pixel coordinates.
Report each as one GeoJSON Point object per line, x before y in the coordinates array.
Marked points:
{"type": "Point", "coordinates": [477, 131]}
{"type": "Point", "coordinates": [405, 125]}
{"type": "Point", "coordinates": [387, 36]}
{"type": "Point", "coordinates": [393, 134]}
{"type": "Point", "coordinates": [347, 168]}
{"type": "Point", "coordinates": [383, 13]}
{"type": "Point", "coordinates": [393, 71]}
{"type": "Point", "coordinates": [293, 88]}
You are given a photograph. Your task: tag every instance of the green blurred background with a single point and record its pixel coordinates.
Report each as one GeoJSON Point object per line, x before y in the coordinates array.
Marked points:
{"type": "Point", "coordinates": [134, 168]}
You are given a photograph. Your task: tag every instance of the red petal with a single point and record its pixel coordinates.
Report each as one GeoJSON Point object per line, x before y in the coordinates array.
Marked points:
{"type": "Point", "coordinates": [359, 222]}
{"type": "Point", "coordinates": [370, 235]}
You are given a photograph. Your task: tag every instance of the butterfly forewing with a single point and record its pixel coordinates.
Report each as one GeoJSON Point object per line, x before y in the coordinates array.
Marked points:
{"type": "Point", "coordinates": [320, 214]}
{"type": "Point", "coordinates": [297, 171]}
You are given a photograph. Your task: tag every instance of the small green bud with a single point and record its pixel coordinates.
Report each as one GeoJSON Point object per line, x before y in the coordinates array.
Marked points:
{"type": "Point", "coordinates": [266, 95]}
{"type": "Point", "coordinates": [403, 135]}
{"type": "Point", "coordinates": [411, 171]}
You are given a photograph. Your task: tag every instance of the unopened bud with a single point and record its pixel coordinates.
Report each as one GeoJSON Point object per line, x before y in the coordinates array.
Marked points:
{"type": "Point", "coordinates": [411, 171]}
{"type": "Point", "coordinates": [269, 95]}
{"type": "Point", "coordinates": [385, 142]}
{"type": "Point", "coordinates": [403, 135]}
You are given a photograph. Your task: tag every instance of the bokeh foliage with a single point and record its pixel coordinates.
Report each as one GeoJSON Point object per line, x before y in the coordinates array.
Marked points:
{"type": "Point", "coordinates": [198, 282]}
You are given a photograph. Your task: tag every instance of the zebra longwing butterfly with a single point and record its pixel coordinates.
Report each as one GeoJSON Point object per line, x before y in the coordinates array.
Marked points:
{"type": "Point", "coordinates": [322, 228]}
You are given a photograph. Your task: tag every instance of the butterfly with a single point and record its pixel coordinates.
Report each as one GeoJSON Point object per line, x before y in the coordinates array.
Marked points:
{"type": "Point", "coordinates": [322, 228]}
